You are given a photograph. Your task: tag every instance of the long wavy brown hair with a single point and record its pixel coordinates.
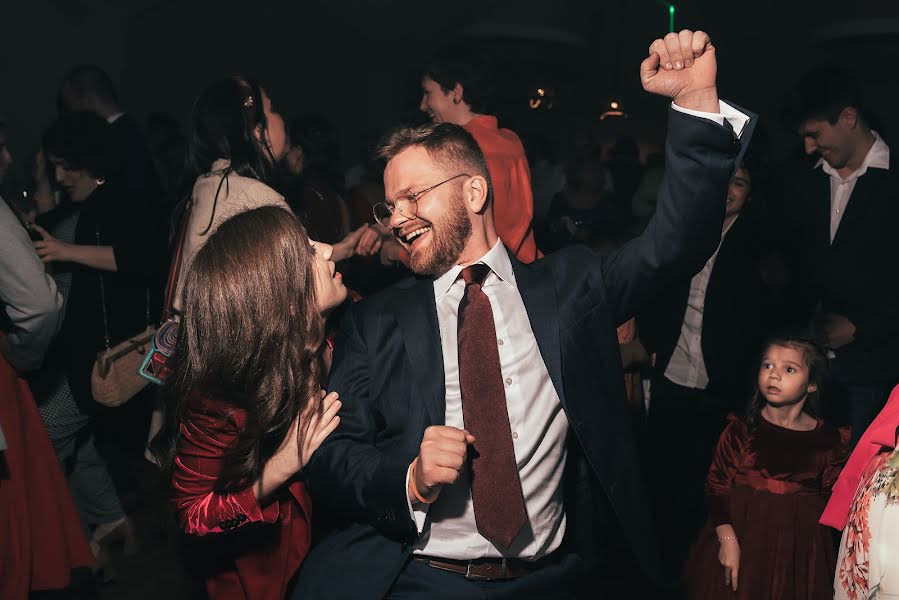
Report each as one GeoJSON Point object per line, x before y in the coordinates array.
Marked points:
{"type": "Point", "coordinates": [250, 336]}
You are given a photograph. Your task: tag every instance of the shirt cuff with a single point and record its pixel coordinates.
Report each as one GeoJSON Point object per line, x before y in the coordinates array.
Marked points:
{"type": "Point", "coordinates": [419, 512]}
{"type": "Point", "coordinates": [736, 118]}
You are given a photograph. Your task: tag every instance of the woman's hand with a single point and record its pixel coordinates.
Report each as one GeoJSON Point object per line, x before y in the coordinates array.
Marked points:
{"type": "Point", "coordinates": [50, 249]}
{"type": "Point", "coordinates": [392, 252]}
{"type": "Point", "coordinates": [371, 240]}
{"type": "Point", "coordinates": [289, 458]}
{"type": "Point", "coordinates": [346, 247]}
{"type": "Point", "coordinates": [729, 555]}
{"type": "Point", "coordinates": [318, 424]}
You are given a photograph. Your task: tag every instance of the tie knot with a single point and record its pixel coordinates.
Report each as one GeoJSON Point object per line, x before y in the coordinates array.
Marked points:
{"type": "Point", "coordinates": [474, 274]}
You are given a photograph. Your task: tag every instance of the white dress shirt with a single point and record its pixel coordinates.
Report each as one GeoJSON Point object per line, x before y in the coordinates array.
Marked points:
{"type": "Point", "coordinates": [841, 188]}
{"type": "Point", "coordinates": [538, 425]}
{"type": "Point", "coordinates": [687, 365]}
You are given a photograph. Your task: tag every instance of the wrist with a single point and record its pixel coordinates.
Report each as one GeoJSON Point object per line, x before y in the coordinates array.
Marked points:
{"type": "Point", "coordinates": [702, 100]}
{"type": "Point", "coordinates": [723, 539]}
{"type": "Point", "coordinates": [415, 496]}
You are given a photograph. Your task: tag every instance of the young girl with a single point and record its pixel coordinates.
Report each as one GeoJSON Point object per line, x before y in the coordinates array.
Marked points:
{"type": "Point", "coordinates": [768, 483]}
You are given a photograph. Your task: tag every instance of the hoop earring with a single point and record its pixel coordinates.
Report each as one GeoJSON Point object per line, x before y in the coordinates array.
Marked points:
{"type": "Point", "coordinates": [100, 181]}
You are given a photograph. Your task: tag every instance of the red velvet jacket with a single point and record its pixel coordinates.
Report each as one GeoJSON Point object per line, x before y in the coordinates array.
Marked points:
{"type": "Point", "coordinates": [251, 551]}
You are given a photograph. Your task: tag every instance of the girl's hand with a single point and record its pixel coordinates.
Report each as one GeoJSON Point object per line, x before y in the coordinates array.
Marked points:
{"type": "Point", "coordinates": [50, 249]}
{"type": "Point", "coordinates": [318, 425]}
{"type": "Point", "coordinates": [729, 556]}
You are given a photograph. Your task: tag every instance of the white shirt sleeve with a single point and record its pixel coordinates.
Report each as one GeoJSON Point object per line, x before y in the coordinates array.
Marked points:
{"type": "Point", "coordinates": [736, 118]}
{"type": "Point", "coordinates": [419, 512]}
{"type": "Point", "coordinates": [29, 296]}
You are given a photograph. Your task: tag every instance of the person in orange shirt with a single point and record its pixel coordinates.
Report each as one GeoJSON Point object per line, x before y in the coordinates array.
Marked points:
{"type": "Point", "coordinates": [454, 91]}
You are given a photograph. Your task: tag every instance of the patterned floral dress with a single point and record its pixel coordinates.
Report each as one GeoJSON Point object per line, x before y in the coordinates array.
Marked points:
{"type": "Point", "coordinates": [868, 561]}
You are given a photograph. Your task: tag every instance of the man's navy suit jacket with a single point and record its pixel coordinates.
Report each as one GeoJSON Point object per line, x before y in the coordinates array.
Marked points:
{"type": "Point", "coordinates": [388, 370]}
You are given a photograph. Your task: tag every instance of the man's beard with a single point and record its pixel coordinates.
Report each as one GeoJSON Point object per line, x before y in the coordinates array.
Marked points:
{"type": "Point", "coordinates": [447, 242]}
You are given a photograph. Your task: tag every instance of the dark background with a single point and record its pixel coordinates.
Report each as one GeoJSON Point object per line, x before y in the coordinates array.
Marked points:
{"type": "Point", "coordinates": [357, 62]}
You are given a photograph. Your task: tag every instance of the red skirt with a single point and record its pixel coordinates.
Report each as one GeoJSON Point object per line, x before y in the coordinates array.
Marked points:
{"type": "Point", "coordinates": [784, 553]}
{"type": "Point", "coordinates": [41, 538]}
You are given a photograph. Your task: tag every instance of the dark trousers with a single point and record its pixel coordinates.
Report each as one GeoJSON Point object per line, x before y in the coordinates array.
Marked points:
{"type": "Point", "coordinates": [856, 404]}
{"type": "Point", "coordinates": [556, 581]}
{"type": "Point", "coordinates": [683, 425]}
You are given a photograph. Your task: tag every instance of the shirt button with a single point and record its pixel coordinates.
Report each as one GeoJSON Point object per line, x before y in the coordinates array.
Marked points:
{"type": "Point", "coordinates": [514, 435]}
{"type": "Point", "coordinates": [508, 381]}
{"type": "Point", "coordinates": [500, 342]}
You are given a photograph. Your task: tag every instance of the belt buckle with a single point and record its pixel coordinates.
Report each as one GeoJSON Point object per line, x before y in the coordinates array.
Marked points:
{"type": "Point", "coordinates": [502, 571]}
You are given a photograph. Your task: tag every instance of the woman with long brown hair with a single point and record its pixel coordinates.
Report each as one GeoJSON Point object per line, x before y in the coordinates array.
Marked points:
{"type": "Point", "coordinates": [246, 410]}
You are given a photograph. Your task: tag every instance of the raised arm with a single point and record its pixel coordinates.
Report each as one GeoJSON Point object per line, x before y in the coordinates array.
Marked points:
{"type": "Point", "coordinates": [703, 147]}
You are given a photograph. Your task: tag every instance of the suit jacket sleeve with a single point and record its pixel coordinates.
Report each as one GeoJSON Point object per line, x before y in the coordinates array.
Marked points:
{"type": "Point", "coordinates": [700, 159]}
{"type": "Point", "coordinates": [364, 483]}
{"type": "Point", "coordinates": [206, 435]}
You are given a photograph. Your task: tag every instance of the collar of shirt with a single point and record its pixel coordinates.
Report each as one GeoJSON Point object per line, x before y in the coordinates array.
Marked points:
{"type": "Point", "coordinates": [113, 118]}
{"type": "Point", "coordinates": [484, 122]}
{"type": "Point", "coordinates": [878, 157]}
{"type": "Point", "coordinates": [498, 261]}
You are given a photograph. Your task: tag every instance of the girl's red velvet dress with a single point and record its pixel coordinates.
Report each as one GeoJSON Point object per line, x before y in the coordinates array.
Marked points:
{"type": "Point", "coordinates": [41, 538]}
{"type": "Point", "coordinates": [249, 551]}
{"type": "Point", "coordinates": [771, 485]}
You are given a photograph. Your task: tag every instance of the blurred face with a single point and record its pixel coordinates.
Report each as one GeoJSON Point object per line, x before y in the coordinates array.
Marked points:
{"type": "Point", "coordinates": [329, 289]}
{"type": "Point", "coordinates": [738, 192]}
{"type": "Point", "coordinates": [293, 160]}
{"type": "Point", "coordinates": [830, 142]}
{"type": "Point", "coordinates": [438, 233]}
{"type": "Point", "coordinates": [78, 183]}
{"type": "Point", "coordinates": [5, 156]}
{"type": "Point", "coordinates": [275, 133]}
{"type": "Point", "coordinates": [784, 377]}
{"type": "Point", "coordinates": [436, 103]}
{"type": "Point", "coordinates": [591, 176]}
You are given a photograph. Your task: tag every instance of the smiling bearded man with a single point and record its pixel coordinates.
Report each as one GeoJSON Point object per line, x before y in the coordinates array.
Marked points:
{"type": "Point", "coordinates": [485, 448]}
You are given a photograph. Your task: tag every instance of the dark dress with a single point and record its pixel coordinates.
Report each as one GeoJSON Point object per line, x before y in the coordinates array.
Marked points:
{"type": "Point", "coordinates": [128, 224]}
{"type": "Point", "coordinates": [771, 485]}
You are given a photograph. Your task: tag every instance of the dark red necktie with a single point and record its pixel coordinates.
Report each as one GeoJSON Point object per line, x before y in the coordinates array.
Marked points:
{"type": "Point", "coordinates": [499, 508]}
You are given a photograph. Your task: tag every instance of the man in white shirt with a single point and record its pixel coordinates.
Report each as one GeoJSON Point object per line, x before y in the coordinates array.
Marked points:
{"type": "Point", "coordinates": [705, 333]}
{"type": "Point", "coordinates": [839, 228]}
{"type": "Point", "coordinates": [485, 447]}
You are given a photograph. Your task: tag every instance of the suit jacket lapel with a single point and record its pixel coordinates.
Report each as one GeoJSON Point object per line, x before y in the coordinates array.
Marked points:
{"type": "Point", "coordinates": [859, 202]}
{"type": "Point", "coordinates": [819, 209]}
{"type": "Point", "coordinates": [416, 313]}
{"type": "Point", "coordinates": [539, 298]}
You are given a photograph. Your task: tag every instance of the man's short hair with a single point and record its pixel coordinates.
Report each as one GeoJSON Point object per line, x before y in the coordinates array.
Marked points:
{"type": "Point", "coordinates": [91, 80]}
{"type": "Point", "coordinates": [822, 94]}
{"type": "Point", "coordinates": [453, 65]}
{"type": "Point", "coordinates": [449, 145]}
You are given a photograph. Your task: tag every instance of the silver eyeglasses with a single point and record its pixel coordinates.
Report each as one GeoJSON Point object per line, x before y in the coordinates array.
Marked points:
{"type": "Point", "coordinates": [384, 210]}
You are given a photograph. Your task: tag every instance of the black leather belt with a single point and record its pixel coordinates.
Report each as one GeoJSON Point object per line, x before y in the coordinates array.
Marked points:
{"type": "Point", "coordinates": [487, 568]}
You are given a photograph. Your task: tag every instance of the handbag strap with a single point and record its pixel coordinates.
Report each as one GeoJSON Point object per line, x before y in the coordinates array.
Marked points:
{"type": "Point", "coordinates": [103, 300]}
{"type": "Point", "coordinates": [168, 308]}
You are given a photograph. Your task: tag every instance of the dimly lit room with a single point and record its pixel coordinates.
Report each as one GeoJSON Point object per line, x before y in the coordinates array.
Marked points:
{"type": "Point", "coordinates": [536, 299]}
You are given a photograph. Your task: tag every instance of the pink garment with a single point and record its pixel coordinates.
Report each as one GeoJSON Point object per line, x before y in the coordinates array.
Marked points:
{"type": "Point", "coordinates": [881, 434]}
